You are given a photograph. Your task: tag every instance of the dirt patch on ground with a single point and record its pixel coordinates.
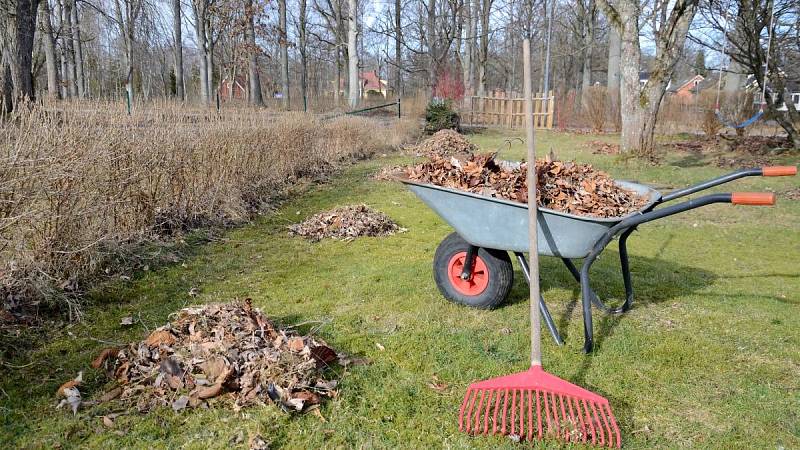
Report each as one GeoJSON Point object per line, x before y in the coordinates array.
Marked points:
{"type": "Point", "coordinates": [791, 194]}
{"type": "Point", "coordinates": [734, 152]}
{"type": "Point", "coordinates": [228, 352]}
{"type": "Point", "coordinates": [445, 143]}
{"type": "Point", "coordinates": [561, 185]}
{"type": "Point", "coordinates": [602, 148]}
{"type": "Point", "coordinates": [346, 223]}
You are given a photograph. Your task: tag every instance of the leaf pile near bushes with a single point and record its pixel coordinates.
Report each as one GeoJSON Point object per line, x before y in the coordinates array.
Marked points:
{"type": "Point", "coordinates": [346, 223]}
{"type": "Point", "coordinates": [445, 143]}
{"type": "Point", "coordinates": [561, 185]}
{"type": "Point", "coordinates": [229, 352]}
{"type": "Point", "coordinates": [85, 183]}
{"type": "Point", "coordinates": [440, 115]}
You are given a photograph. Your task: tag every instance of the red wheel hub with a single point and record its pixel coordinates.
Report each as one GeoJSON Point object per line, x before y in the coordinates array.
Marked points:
{"type": "Point", "coordinates": [478, 280]}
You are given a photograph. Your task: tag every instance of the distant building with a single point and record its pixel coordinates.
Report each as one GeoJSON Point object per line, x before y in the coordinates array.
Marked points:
{"type": "Point", "coordinates": [370, 85]}
{"type": "Point", "coordinates": [686, 90]}
{"type": "Point", "coordinates": [235, 87]}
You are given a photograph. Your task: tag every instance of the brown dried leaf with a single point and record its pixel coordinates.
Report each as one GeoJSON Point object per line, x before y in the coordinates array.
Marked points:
{"type": "Point", "coordinates": [160, 337]}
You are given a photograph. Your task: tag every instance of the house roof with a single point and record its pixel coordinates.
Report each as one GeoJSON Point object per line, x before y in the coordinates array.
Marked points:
{"type": "Point", "coordinates": [371, 81]}
{"type": "Point", "coordinates": [683, 83]}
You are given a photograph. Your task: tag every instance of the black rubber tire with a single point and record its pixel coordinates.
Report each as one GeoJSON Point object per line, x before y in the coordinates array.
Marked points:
{"type": "Point", "coordinates": [498, 263]}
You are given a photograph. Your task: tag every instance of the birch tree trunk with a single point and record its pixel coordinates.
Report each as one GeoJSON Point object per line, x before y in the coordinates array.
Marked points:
{"type": "Point", "coordinates": [612, 73]}
{"type": "Point", "coordinates": [352, 54]}
{"type": "Point", "coordinates": [255, 80]}
{"type": "Point", "coordinates": [53, 90]}
{"type": "Point", "coordinates": [284, 41]}
{"type": "Point", "coordinates": [177, 33]}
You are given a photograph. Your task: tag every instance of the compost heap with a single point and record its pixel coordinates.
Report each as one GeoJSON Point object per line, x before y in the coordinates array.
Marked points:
{"type": "Point", "coordinates": [346, 223]}
{"type": "Point", "coordinates": [227, 350]}
{"type": "Point", "coordinates": [562, 186]}
{"type": "Point", "coordinates": [445, 143]}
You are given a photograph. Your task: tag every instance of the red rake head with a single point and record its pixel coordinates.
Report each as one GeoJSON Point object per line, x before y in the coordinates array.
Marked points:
{"type": "Point", "coordinates": [536, 404]}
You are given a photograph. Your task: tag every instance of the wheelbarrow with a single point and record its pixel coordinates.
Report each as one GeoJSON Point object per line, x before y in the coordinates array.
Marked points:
{"type": "Point", "coordinates": [472, 266]}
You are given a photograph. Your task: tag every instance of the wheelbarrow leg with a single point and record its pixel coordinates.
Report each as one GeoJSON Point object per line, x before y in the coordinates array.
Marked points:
{"type": "Point", "coordinates": [548, 319]}
{"type": "Point", "coordinates": [626, 276]}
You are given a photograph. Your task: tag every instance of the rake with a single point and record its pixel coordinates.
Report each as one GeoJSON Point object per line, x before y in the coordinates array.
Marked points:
{"type": "Point", "coordinates": [534, 403]}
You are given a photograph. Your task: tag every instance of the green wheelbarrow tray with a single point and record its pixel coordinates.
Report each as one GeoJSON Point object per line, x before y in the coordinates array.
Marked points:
{"type": "Point", "coordinates": [472, 266]}
{"type": "Point", "coordinates": [495, 223]}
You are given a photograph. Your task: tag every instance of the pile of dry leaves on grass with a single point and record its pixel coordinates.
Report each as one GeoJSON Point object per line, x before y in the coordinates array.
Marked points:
{"type": "Point", "coordinates": [445, 143]}
{"type": "Point", "coordinates": [562, 186]}
{"type": "Point", "coordinates": [346, 223]}
{"type": "Point", "coordinates": [230, 352]}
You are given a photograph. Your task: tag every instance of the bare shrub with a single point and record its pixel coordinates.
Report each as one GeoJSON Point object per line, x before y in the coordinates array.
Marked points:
{"type": "Point", "coordinates": [565, 110]}
{"type": "Point", "coordinates": [80, 182]}
{"type": "Point", "coordinates": [594, 107]}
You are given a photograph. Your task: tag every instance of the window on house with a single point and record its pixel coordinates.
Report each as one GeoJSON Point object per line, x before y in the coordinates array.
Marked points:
{"type": "Point", "coordinates": [796, 99]}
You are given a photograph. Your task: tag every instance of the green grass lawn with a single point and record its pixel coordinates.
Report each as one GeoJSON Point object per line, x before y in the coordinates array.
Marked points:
{"type": "Point", "coordinates": [708, 357]}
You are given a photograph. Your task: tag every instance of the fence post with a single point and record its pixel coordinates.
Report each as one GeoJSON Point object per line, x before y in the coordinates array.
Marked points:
{"type": "Point", "coordinates": [509, 111]}
{"type": "Point", "coordinates": [398, 107]}
{"type": "Point", "coordinates": [550, 110]}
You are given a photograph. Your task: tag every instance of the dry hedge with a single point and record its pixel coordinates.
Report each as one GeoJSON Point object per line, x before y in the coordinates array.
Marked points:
{"type": "Point", "coordinates": [78, 182]}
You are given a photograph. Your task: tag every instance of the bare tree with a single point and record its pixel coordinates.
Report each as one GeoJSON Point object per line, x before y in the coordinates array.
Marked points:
{"type": "Point", "coordinates": [177, 36]}
{"type": "Point", "coordinates": [284, 42]}
{"type": "Point", "coordinates": [303, 35]}
{"type": "Point", "coordinates": [127, 14]}
{"type": "Point", "coordinates": [19, 18]}
{"type": "Point", "coordinates": [49, 50]}
{"type": "Point", "coordinates": [398, 51]}
{"type": "Point", "coordinates": [353, 88]}
{"type": "Point", "coordinates": [253, 51]}
{"type": "Point", "coordinates": [641, 103]}
{"type": "Point", "coordinates": [77, 47]}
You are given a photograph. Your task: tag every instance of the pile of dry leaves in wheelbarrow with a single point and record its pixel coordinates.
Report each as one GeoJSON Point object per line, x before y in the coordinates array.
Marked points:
{"type": "Point", "coordinates": [346, 223]}
{"type": "Point", "coordinates": [230, 352]}
{"type": "Point", "coordinates": [562, 185]}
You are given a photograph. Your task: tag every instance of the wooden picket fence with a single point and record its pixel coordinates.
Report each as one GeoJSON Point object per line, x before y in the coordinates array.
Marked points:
{"type": "Point", "coordinates": [508, 112]}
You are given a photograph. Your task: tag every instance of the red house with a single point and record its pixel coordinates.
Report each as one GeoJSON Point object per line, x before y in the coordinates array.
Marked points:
{"type": "Point", "coordinates": [235, 89]}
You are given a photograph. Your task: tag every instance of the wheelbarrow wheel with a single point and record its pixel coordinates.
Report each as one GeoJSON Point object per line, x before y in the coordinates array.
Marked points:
{"type": "Point", "coordinates": [491, 279]}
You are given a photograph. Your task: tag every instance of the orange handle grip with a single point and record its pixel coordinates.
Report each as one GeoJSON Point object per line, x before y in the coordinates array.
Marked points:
{"type": "Point", "coordinates": [779, 171]}
{"type": "Point", "coordinates": [753, 198]}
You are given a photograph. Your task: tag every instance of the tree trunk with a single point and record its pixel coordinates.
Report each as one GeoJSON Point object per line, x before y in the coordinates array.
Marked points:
{"type": "Point", "coordinates": [483, 53]}
{"type": "Point", "coordinates": [284, 41]}
{"type": "Point", "coordinates": [303, 55]}
{"type": "Point", "coordinates": [62, 51]}
{"type": "Point", "coordinates": [641, 103]}
{"type": "Point", "coordinates": [352, 54]}
{"type": "Point", "coordinates": [199, 10]}
{"type": "Point", "coordinates": [431, 41]}
{"type": "Point", "coordinates": [6, 84]}
{"type": "Point", "coordinates": [23, 25]}
{"type": "Point", "coordinates": [588, 47]}
{"type": "Point", "coordinates": [468, 49]}
{"type": "Point", "coordinates": [69, 50]}
{"type": "Point", "coordinates": [49, 50]}
{"type": "Point", "coordinates": [78, 49]}
{"type": "Point", "coordinates": [398, 55]}
{"type": "Point", "coordinates": [255, 80]}
{"type": "Point", "coordinates": [177, 31]}
{"type": "Point", "coordinates": [612, 74]}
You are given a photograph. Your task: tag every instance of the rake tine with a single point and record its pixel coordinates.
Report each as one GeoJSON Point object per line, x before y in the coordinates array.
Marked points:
{"type": "Point", "coordinates": [469, 411]}
{"type": "Point", "coordinates": [556, 419]}
{"type": "Point", "coordinates": [505, 409]}
{"type": "Point", "coordinates": [614, 424]}
{"type": "Point", "coordinates": [486, 413]}
{"type": "Point", "coordinates": [513, 410]}
{"type": "Point", "coordinates": [478, 413]}
{"type": "Point", "coordinates": [494, 416]}
{"type": "Point", "coordinates": [521, 413]}
{"type": "Point", "coordinates": [605, 422]}
{"type": "Point", "coordinates": [563, 417]}
{"type": "Point", "coordinates": [547, 413]}
{"type": "Point", "coordinates": [463, 408]}
{"type": "Point", "coordinates": [530, 414]}
{"type": "Point", "coordinates": [589, 421]}
{"type": "Point", "coordinates": [538, 415]}
{"type": "Point", "coordinates": [599, 425]}
{"type": "Point", "coordinates": [577, 419]}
